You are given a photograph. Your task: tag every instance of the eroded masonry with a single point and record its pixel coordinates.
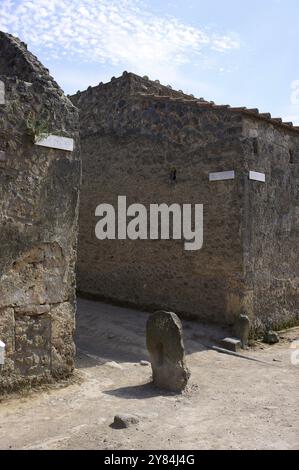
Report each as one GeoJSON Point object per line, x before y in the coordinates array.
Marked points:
{"type": "Point", "coordinates": [39, 184]}
{"type": "Point", "coordinates": [243, 166]}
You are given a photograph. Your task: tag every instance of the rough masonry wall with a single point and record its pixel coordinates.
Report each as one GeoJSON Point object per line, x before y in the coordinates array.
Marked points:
{"type": "Point", "coordinates": [129, 144]}
{"type": "Point", "coordinates": [38, 223]}
{"type": "Point", "coordinates": [271, 248]}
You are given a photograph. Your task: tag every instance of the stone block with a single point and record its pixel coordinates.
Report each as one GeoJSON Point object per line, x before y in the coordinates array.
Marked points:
{"type": "Point", "coordinates": [33, 309]}
{"type": "Point", "coordinates": [231, 344]}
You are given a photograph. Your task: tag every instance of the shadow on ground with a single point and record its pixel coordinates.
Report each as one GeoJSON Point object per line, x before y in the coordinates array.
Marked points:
{"type": "Point", "coordinates": [110, 333]}
{"type": "Point", "coordinates": [147, 390]}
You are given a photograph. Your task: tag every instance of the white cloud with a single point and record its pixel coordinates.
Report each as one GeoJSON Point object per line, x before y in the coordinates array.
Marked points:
{"type": "Point", "coordinates": [295, 92]}
{"type": "Point", "coordinates": [224, 43]}
{"type": "Point", "coordinates": [117, 32]}
{"type": "Point", "coordinates": [292, 111]}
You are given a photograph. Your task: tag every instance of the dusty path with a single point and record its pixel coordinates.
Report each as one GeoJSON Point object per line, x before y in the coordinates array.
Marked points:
{"type": "Point", "coordinates": [232, 403]}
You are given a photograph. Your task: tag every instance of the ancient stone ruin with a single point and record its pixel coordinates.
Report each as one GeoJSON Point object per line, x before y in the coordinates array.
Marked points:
{"type": "Point", "coordinates": [164, 339]}
{"type": "Point", "coordinates": [156, 145]}
{"type": "Point", "coordinates": [150, 144]}
{"type": "Point", "coordinates": [39, 184]}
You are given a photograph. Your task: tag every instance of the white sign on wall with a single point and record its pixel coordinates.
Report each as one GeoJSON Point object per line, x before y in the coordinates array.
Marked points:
{"type": "Point", "coordinates": [222, 175]}
{"type": "Point", "coordinates": [2, 92]}
{"type": "Point", "coordinates": [255, 175]}
{"type": "Point", "coordinates": [2, 353]}
{"type": "Point", "coordinates": [56, 142]}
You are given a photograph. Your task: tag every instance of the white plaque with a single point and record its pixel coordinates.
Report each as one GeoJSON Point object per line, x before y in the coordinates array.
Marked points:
{"type": "Point", "coordinates": [2, 353]}
{"type": "Point", "coordinates": [56, 142]}
{"type": "Point", "coordinates": [222, 175]}
{"type": "Point", "coordinates": [254, 175]}
{"type": "Point", "coordinates": [2, 92]}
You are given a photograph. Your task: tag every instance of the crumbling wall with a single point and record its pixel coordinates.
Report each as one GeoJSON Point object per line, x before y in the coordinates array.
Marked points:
{"type": "Point", "coordinates": [271, 223]}
{"type": "Point", "coordinates": [17, 61]}
{"type": "Point", "coordinates": [129, 143]}
{"type": "Point", "coordinates": [39, 189]}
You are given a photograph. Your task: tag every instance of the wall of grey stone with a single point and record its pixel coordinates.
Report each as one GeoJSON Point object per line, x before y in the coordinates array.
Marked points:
{"type": "Point", "coordinates": [17, 61]}
{"type": "Point", "coordinates": [129, 144]}
{"type": "Point", "coordinates": [133, 132]}
{"type": "Point", "coordinates": [271, 235]}
{"type": "Point", "coordinates": [39, 189]}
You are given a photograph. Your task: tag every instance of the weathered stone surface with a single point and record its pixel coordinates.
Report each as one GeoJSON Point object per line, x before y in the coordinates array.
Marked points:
{"type": "Point", "coordinates": [63, 348]}
{"type": "Point", "coordinates": [33, 309]}
{"type": "Point", "coordinates": [38, 221]}
{"type": "Point", "coordinates": [164, 339]}
{"type": "Point", "coordinates": [271, 337]}
{"type": "Point", "coordinates": [7, 329]}
{"type": "Point", "coordinates": [242, 329]}
{"type": "Point", "coordinates": [122, 421]}
{"type": "Point", "coordinates": [36, 277]}
{"type": "Point", "coordinates": [32, 356]}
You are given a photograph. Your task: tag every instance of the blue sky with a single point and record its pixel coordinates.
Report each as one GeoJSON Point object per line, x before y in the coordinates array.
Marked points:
{"type": "Point", "coordinates": [238, 52]}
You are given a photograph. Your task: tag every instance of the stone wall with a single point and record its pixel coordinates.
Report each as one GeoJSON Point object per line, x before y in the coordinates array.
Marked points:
{"type": "Point", "coordinates": [271, 226]}
{"type": "Point", "coordinates": [133, 132]}
{"type": "Point", "coordinates": [129, 144]}
{"type": "Point", "coordinates": [38, 222]}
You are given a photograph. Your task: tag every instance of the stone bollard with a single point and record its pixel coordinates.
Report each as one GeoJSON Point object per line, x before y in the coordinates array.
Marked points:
{"type": "Point", "coordinates": [242, 329]}
{"type": "Point", "coordinates": [164, 340]}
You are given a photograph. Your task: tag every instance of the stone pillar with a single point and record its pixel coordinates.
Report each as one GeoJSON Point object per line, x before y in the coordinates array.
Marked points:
{"type": "Point", "coordinates": [164, 339]}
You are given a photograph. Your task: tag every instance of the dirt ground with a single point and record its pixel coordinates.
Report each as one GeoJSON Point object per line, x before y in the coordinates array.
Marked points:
{"type": "Point", "coordinates": [231, 403]}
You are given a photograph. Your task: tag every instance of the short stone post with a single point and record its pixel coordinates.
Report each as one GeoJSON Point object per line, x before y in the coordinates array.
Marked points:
{"type": "Point", "coordinates": [242, 329]}
{"type": "Point", "coordinates": [164, 339]}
